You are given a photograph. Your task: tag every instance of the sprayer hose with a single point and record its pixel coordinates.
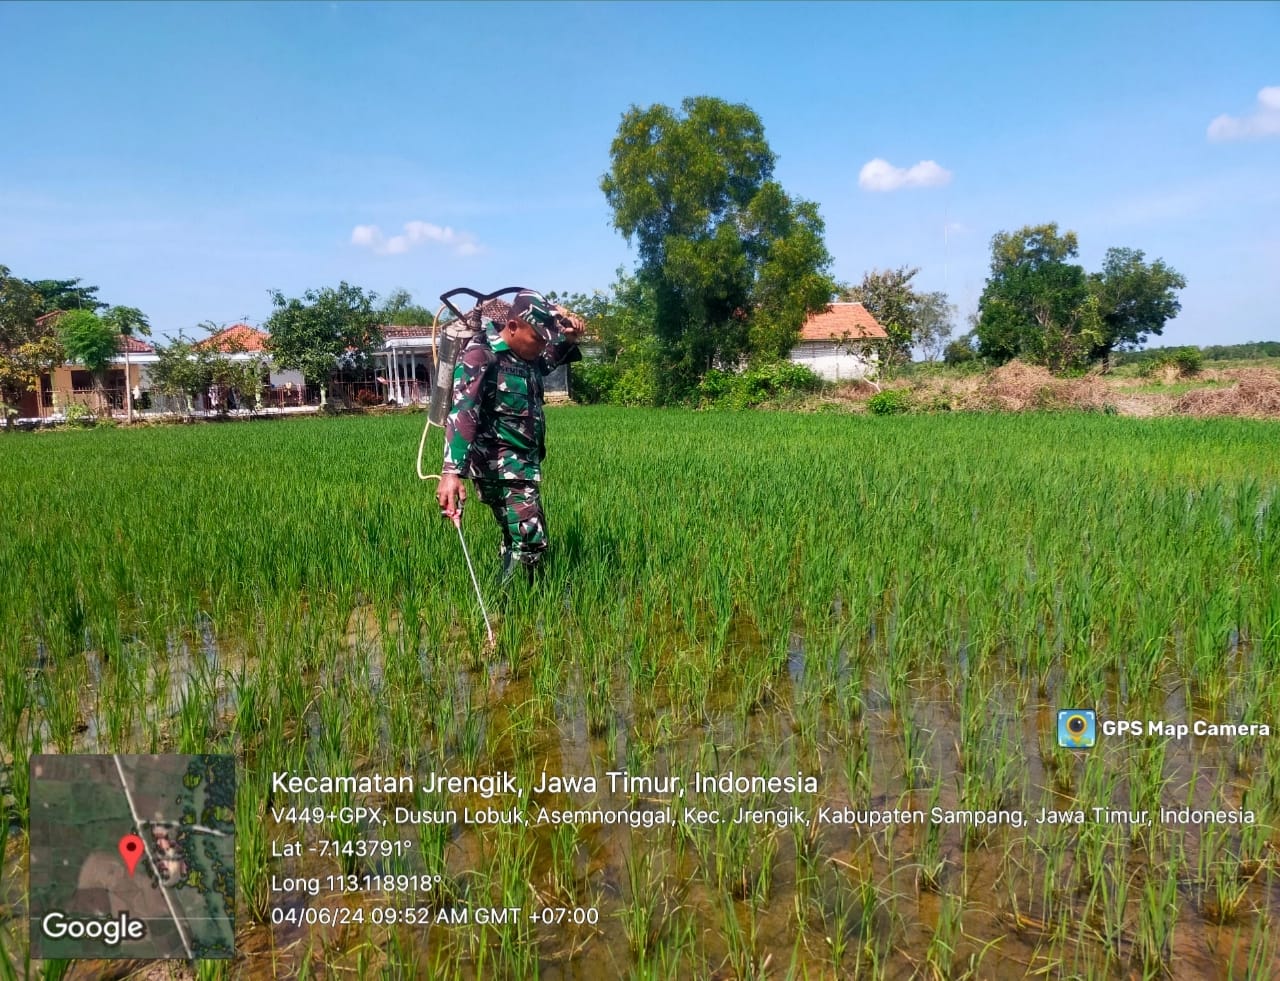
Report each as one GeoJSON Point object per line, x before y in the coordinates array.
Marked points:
{"type": "Point", "coordinates": [435, 370]}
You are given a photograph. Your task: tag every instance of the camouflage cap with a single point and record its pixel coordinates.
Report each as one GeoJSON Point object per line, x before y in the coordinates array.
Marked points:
{"type": "Point", "coordinates": [534, 310]}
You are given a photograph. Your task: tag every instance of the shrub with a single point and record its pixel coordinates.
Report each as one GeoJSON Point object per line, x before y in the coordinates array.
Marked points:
{"type": "Point", "coordinates": [637, 385]}
{"type": "Point", "coordinates": [77, 414]}
{"type": "Point", "coordinates": [761, 382]}
{"type": "Point", "coordinates": [593, 381]}
{"type": "Point", "coordinates": [960, 351]}
{"type": "Point", "coordinates": [890, 402]}
{"type": "Point", "coordinates": [1188, 361]}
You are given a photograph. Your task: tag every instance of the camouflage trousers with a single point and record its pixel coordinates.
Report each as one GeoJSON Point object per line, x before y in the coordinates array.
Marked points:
{"type": "Point", "coordinates": [518, 507]}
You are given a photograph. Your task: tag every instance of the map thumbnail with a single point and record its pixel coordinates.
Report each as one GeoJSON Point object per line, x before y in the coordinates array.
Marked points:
{"type": "Point", "coordinates": [132, 856]}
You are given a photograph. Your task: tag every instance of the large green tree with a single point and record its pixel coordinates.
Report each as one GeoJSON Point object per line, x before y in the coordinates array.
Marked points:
{"type": "Point", "coordinates": [910, 317]}
{"type": "Point", "coordinates": [399, 309]}
{"type": "Point", "coordinates": [322, 329]}
{"type": "Point", "coordinates": [1040, 306]}
{"type": "Point", "coordinates": [731, 262]}
{"type": "Point", "coordinates": [67, 294]}
{"type": "Point", "coordinates": [27, 348]}
{"type": "Point", "coordinates": [1036, 304]}
{"type": "Point", "coordinates": [1135, 299]}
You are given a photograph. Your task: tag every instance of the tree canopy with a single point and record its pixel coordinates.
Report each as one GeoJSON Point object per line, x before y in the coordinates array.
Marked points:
{"type": "Point", "coordinates": [1039, 306]}
{"type": "Point", "coordinates": [67, 294]}
{"type": "Point", "coordinates": [128, 321]}
{"type": "Point", "coordinates": [26, 348]}
{"type": "Point", "coordinates": [1135, 299]}
{"type": "Point", "coordinates": [910, 318]}
{"type": "Point", "coordinates": [89, 339]}
{"type": "Point", "coordinates": [312, 334]}
{"type": "Point", "coordinates": [400, 310]}
{"type": "Point", "coordinates": [730, 263]}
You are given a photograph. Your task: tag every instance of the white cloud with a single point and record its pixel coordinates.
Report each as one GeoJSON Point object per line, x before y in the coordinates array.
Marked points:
{"type": "Point", "coordinates": [415, 233]}
{"type": "Point", "coordinates": [1264, 121]}
{"type": "Point", "coordinates": [367, 235]}
{"type": "Point", "coordinates": [880, 175]}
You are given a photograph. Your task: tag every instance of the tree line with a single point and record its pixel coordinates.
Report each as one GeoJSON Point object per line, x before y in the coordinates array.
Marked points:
{"type": "Point", "coordinates": [729, 267]}
{"type": "Point", "coordinates": [323, 331]}
{"type": "Point", "coordinates": [1249, 351]}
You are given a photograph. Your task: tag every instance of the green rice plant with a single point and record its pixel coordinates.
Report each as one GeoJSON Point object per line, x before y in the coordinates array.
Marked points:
{"type": "Point", "coordinates": [941, 953]}
{"type": "Point", "coordinates": [914, 754]}
{"type": "Point", "coordinates": [10, 963]}
{"type": "Point", "coordinates": [213, 970]}
{"type": "Point", "coordinates": [741, 935]}
{"type": "Point", "coordinates": [759, 887]}
{"type": "Point", "coordinates": [253, 867]}
{"type": "Point", "coordinates": [1220, 885]}
{"type": "Point", "coordinates": [795, 632]}
{"type": "Point", "coordinates": [563, 873]}
{"type": "Point", "coordinates": [1113, 884]}
{"type": "Point", "coordinates": [1158, 915]}
{"type": "Point", "coordinates": [640, 916]}
{"type": "Point", "coordinates": [1264, 950]}
{"type": "Point", "coordinates": [857, 765]}
{"type": "Point", "coordinates": [930, 861]}
{"type": "Point", "coordinates": [807, 848]}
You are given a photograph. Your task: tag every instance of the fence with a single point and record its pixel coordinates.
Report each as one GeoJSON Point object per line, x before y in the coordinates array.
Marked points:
{"type": "Point", "coordinates": [60, 405]}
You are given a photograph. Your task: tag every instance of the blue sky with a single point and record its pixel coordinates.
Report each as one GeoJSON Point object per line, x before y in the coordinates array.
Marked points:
{"type": "Point", "coordinates": [187, 158]}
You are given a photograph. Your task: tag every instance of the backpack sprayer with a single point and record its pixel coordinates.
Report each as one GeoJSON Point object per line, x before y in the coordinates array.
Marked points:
{"type": "Point", "coordinates": [446, 345]}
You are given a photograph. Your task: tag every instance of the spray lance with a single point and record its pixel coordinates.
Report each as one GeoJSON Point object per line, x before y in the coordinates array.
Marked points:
{"type": "Point", "coordinates": [446, 345]}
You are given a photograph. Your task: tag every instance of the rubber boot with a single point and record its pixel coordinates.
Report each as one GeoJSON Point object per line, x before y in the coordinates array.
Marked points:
{"type": "Point", "coordinates": [509, 563]}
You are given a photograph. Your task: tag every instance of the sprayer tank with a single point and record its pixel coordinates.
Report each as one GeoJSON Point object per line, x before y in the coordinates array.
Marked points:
{"type": "Point", "coordinates": [452, 341]}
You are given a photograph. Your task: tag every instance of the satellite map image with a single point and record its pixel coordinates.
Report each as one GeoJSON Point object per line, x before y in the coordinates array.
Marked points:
{"type": "Point", "coordinates": [132, 856]}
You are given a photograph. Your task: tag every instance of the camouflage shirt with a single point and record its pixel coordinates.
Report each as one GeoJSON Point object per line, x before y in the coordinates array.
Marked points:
{"type": "Point", "coordinates": [496, 429]}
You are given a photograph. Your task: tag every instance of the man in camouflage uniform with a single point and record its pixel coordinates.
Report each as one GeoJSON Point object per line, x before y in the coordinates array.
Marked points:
{"type": "Point", "coordinates": [496, 431]}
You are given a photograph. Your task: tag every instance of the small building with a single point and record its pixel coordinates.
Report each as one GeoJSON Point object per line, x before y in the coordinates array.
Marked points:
{"type": "Point", "coordinates": [69, 383]}
{"type": "Point", "coordinates": [839, 344]}
{"type": "Point", "coordinates": [405, 364]}
{"type": "Point", "coordinates": [244, 342]}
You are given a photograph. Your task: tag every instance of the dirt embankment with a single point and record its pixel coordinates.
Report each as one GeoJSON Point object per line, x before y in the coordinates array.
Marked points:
{"type": "Point", "coordinates": [1021, 387]}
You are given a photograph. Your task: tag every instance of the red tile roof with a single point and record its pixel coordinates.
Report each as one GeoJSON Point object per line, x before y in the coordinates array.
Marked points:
{"type": "Point", "coordinates": [839, 319]}
{"type": "Point", "coordinates": [399, 330]}
{"type": "Point", "coordinates": [135, 346]}
{"type": "Point", "coordinates": [237, 337]}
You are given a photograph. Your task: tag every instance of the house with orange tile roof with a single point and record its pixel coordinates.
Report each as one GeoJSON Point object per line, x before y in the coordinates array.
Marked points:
{"type": "Point", "coordinates": [71, 381]}
{"type": "Point", "coordinates": [235, 339]}
{"type": "Point", "coordinates": [839, 343]}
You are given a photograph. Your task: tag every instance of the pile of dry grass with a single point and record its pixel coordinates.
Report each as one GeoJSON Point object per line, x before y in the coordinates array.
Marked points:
{"type": "Point", "coordinates": [1255, 395]}
{"type": "Point", "coordinates": [1020, 387]}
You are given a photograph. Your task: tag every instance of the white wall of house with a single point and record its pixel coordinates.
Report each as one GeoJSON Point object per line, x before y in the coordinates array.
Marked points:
{"type": "Point", "coordinates": [278, 378]}
{"type": "Point", "coordinates": [833, 362]}
{"type": "Point", "coordinates": [281, 378]}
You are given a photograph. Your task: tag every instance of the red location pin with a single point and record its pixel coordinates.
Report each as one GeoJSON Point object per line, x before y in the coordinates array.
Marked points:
{"type": "Point", "coordinates": [131, 851]}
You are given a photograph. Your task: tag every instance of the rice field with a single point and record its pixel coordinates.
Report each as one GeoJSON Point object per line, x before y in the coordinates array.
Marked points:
{"type": "Point", "coordinates": [780, 646]}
